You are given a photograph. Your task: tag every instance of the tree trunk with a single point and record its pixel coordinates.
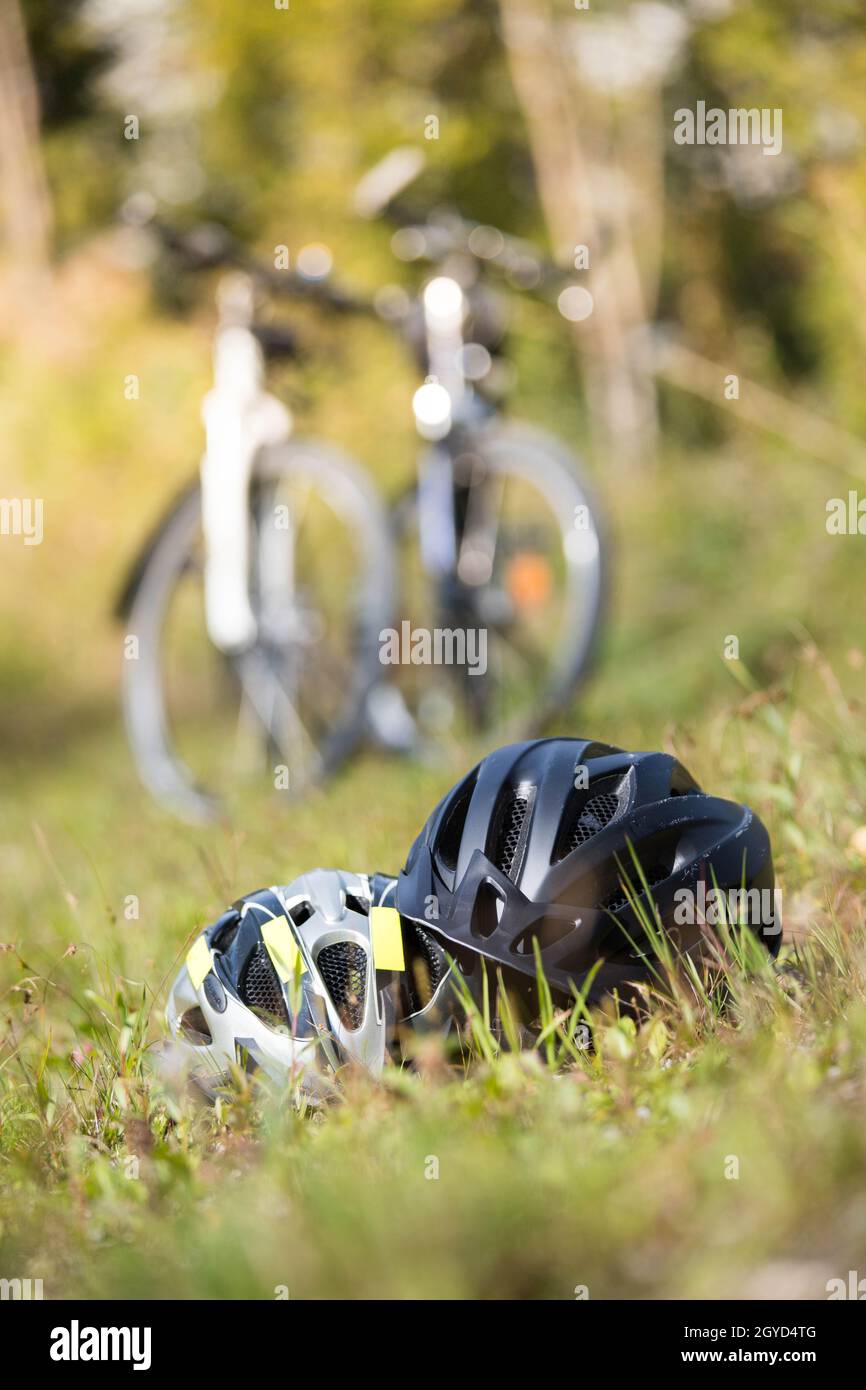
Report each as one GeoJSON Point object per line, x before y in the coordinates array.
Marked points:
{"type": "Point", "coordinates": [564, 135]}
{"type": "Point", "coordinates": [26, 205]}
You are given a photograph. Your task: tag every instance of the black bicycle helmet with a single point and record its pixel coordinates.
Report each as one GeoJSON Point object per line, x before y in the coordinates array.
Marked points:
{"type": "Point", "coordinates": [536, 841]}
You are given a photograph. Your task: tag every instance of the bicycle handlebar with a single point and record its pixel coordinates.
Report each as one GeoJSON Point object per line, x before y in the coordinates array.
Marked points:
{"type": "Point", "coordinates": [209, 246]}
{"type": "Point", "coordinates": [437, 237]}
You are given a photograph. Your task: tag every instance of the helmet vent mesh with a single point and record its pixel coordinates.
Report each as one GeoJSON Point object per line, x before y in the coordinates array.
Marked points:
{"type": "Point", "coordinates": [343, 967]}
{"type": "Point", "coordinates": [260, 987]}
{"type": "Point", "coordinates": [425, 968]}
{"type": "Point", "coordinates": [514, 814]}
{"type": "Point", "coordinates": [588, 818]}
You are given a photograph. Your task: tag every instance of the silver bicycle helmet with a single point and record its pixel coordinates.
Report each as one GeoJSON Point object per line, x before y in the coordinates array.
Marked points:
{"type": "Point", "coordinates": [301, 980]}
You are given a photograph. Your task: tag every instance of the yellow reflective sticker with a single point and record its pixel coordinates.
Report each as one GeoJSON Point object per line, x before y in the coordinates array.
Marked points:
{"type": "Point", "coordinates": [198, 961]}
{"type": "Point", "coordinates": [282, 948]}
{"type": "Point", "coordinates": [386, 935]}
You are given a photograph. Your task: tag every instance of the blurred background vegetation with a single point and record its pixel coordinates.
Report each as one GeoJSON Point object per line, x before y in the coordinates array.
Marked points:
{"type": "Point", "coordinates": [704, 262]}
{"type": "Point", "coordinates": [555, 123]}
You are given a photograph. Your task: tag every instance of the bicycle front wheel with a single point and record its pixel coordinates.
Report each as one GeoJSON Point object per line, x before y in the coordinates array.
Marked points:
{"type": "Point", "coordinates": [525, 584]}
{"type": "Point", "coordinates": [206, 728]}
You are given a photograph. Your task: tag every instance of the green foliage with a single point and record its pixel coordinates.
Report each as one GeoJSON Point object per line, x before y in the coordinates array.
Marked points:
{"type": "Point", "coordinates": [278, 112]}
{"type": "Point", "coordinates": [762, 253]}
{"type": "Point", "coordinates": [68, 59]}
{"type": "Point", "coordinates": [81, 129]}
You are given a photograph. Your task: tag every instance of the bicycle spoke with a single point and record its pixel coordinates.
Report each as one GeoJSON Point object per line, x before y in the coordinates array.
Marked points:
{"type": "Point", "coordinates": [277, 713]}
{"type": "Point", "coordinates": [478, 500]}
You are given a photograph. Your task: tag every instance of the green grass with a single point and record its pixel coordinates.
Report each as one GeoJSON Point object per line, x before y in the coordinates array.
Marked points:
{"type": "Point", "coordinates": [608, 1171]}
{"type": "Point", "coordinates": [553, 1171]}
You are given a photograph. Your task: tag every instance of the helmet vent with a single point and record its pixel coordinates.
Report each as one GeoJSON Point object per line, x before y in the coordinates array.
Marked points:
{"type": "Point", "coordinates": [598, 750]}
{"type": "Point", "coordinates": [356, 904]}
{"type": "Point", "coordinates": [657, 873]}
{"type": "Point", "coordinates": [260, 987]}
{"type": "Point", "coordinates": [682, 784]}
{"type": "Point", "coordinates": [547, 932]}
{"type": "Point", "coordinates": [426, 966]}
{"type": "Point", "coordinates": [510, 839]}
{"type": "Point", "coordinates": [448, 845]}
{"type": "Point", "coordinates": [194, 1027]}
{"type": "Point", "coordinates": [587, 817]}
{"type": "Point", "coordinates": [223, 939]}
{"type": "Point", "coordinates": [486, 910]}
{"type": "Point", "coordinates": [343, 967]}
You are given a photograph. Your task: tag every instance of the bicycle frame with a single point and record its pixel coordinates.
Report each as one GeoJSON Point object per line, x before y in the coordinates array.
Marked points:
{"type": "Point", "coordinates": [240, 417]}
{"type": "Point", "coordinates": [444, 407]}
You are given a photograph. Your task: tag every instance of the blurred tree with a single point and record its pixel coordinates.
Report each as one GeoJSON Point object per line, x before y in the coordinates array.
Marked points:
{"type": "Point", "coordinates": [69, 56]}
{"type": "Point", "coordinates": [26, 204]}
{"type": "Point", "coordinates": [750, 259]}
{"type": "Point", "coordinates": [764, 256]}
{"type": "Point", "coordinates": [70, 53]}
{"type": "Point", "coordinates": [266, 117]}
{"type": "Point", "coordinates": [590, 92]}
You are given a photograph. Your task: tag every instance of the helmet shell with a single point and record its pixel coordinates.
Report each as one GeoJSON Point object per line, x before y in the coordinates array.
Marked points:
{"type": "Point", "coordinates": [290, 980]}
{"type": "Point", "coordinates": [536, 841]}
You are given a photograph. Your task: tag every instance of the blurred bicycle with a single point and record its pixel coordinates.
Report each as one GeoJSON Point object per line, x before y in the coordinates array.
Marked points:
{"type": "Point", "coordinates": [499, 536]}
{"type": "Point", "coordinates": [256, 604]}
{"type": "Point", "coordinates": [261, 605]}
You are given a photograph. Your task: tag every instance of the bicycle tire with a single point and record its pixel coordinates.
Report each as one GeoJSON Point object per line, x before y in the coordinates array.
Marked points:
{"type": "Point", "coordinates": [544, 462]}
{"type": "Point", "coordinates": [162, 770]}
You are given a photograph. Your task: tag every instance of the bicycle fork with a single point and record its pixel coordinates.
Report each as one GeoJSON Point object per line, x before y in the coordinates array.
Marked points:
{"type": "Point", "coordinates": [240, 417]}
